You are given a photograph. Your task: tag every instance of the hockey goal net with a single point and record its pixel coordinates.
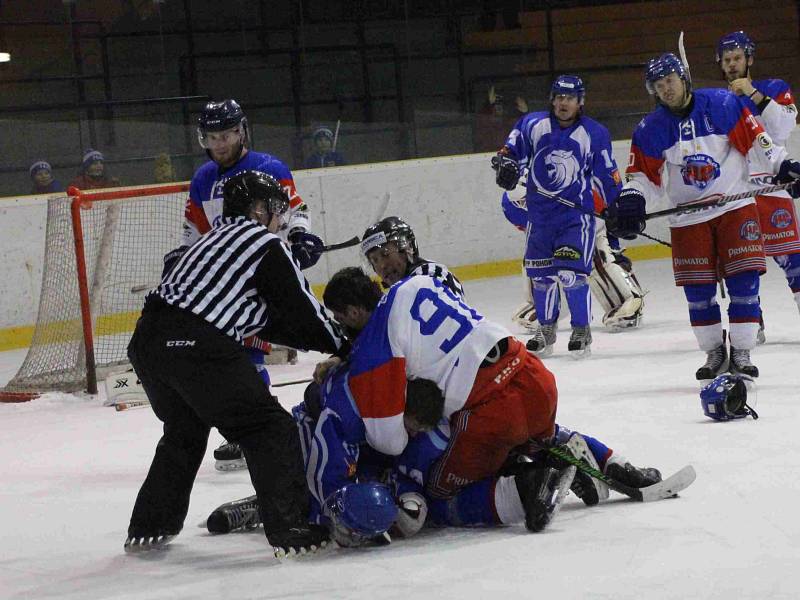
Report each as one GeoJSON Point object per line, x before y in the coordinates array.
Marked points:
{"type": "Point", "coordinates": [103, 252]}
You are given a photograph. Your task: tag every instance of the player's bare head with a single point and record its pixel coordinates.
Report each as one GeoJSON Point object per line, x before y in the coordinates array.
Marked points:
{"type": "Point", "coordinates": [735, 52]}
{"type": "Point", "coordinates": [424, 405]}
{"type": "Point", "coordinates": [223, 131]}
{"type": "Point", "coordinates": [390, 246]}
{"type": "Point", "coordinates": [666, 77]}
{"type": "Point", "coordinates": [255, 195]}
{"type": "Point", "coordinates": [567, 95]}
{"type": "Point", "coordinates": [352, 297]}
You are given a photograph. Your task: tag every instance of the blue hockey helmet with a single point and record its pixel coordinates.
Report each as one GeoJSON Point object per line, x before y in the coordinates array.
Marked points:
{"type": "Point", "coordinates": [727, 396]}
{"type": "Point", "coordinates": [732, 41]}
{"type": "Point", "coordinates": [568, 85]}
{"type": "Point", "coordinates": [360, 512]}
{"type": "Point", "coordinates": [221, 116]}
{"type": "Point", "coordinates": [662, 66]}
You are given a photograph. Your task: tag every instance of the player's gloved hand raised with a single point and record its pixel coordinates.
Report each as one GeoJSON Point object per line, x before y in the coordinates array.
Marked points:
{"type": "Point", "coordinates": [625, 217]}
{"type": "Point", "coordinates": [507, 171]}
{"type": "Point", "coordinates": [789, 172]}
{"type": "Point", "coordinates": [306, 248]}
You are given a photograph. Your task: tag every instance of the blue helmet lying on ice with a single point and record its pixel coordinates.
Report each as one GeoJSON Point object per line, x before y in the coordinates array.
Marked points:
{"type": "Point", "coordinates": [360, 512]}
{"type": "Point", "coordinates": [726, 397]}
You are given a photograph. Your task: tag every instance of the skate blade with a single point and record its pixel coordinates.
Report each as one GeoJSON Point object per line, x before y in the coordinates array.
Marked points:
{"type": "Point", "coordinates": [581, 354]}
{"type": "Point", "coordinates": [238, 464]}
{"type": "Point", "coordinates": [280, 553]}
{"type": "Point", "coordinates": [140, 546]}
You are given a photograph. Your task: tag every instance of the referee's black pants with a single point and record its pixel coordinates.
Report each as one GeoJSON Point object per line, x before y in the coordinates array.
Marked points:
{"type": "Point", "coordinates": [197, 378]}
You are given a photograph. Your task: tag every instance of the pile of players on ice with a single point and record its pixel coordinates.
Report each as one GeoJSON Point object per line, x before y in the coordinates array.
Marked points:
{"type": "Point", "coordinates": [428, 414]}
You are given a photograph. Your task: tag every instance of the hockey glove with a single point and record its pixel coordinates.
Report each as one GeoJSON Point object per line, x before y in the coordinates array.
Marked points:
{"type": "Point", "coordinates": [789, 172]}
{"type": "Point", "coordinates": [306, 248]}
{"type": "Point", "coordinates": [625, 218]}
{"type": "Point", "coordinates": [507, 171]}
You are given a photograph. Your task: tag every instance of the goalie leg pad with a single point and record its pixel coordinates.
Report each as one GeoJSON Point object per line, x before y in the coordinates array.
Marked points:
{"type": "Point", "coordinates": [617, 291]}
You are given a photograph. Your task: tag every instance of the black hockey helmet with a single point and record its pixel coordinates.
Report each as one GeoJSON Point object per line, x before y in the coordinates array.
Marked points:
{"type": "Point", "coordinates": [241, 191]}
{"type": "Point", "coordinates": [221, 116]}
{"type": "Point", "coordinates": [390, 229]}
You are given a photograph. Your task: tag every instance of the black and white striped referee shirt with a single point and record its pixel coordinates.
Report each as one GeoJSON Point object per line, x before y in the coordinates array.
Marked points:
{"type": "Point", "coordinates": [242, 279]}
{"type": "Point", "coordinates": [437, 271]}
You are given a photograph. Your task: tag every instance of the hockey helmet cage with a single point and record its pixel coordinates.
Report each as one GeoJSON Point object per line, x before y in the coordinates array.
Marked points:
{"type": "Point", "coordinates": [568, 85]}
{"type": "Point", "coordinates": [221, 116]}
{"type": "Point", "coordinates": [662, 66]}
{"type": "Point", "coordinates": [732, 41]}
{"type": "Point", "coordinates": [727, 397]}
{"type": "Point", "coordinates": [360, 512]}
{"type": "Point", "coordinates": [390, 229]}
{"type": "Point", "coordinates": [243, 189]}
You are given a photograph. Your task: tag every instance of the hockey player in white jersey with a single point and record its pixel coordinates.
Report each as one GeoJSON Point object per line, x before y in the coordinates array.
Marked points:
{"type": "Point", "coordinates": [695, 144]}
{"type": "Point", "coordinates": [773, 103]}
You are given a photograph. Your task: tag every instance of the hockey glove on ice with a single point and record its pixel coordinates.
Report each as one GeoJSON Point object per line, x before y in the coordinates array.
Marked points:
{"type": "Point", "coordinates": [306, 248]}
{"type": "Point", "coordinates": [625, 218]}
{"type": "Point", "coordinates": [507, 171]}
{"type": "Point", "coordinates": [789, 172]}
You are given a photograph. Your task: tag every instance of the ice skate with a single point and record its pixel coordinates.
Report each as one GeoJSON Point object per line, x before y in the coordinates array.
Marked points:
{"type": "Point", "coordinates": [234, 516]}
{"type": "Point", "coordinates": [541, 490]}
{"type": "Point", "coordinates": [716, 363]}
{"type": "Point", "coordinates": [740, 363]}
{"type": "Point", "coordinates": [229, 457]}
{"type": "Point", "coordinates": [543, 340]}
{"type": "Point", "coordinates": [580, 342]}
{"type": "Point", "coordinates": [632, 476]}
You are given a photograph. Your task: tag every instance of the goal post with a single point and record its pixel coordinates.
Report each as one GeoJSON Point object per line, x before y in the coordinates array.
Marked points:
{"type": "Point", "coordinates": [103, 252]}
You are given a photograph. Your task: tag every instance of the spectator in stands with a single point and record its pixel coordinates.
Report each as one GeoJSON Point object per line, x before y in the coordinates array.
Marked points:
{"type": "Point", "coordinates": [93, 173]}
{"type": "Point", "coordinates": [42, 177]}
{"type": "Point", "coordinates": [495, 119]}
{"type": "Point", "coordinates": [325, 154]}
{"type": "Point", "coordinates": [162, 169]}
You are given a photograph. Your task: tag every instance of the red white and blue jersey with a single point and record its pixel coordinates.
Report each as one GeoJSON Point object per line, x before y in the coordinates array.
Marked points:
{"type": "Point", "coordinates": [699, 155]}
{"type": "Point", "coordinates": [778, 116]}
{"type": "Point", "coordinates": [420, 329]}
{"type": "Point", "coordinates": [566, 161]}
{"type": "Point", "coordinates": [204, 204]}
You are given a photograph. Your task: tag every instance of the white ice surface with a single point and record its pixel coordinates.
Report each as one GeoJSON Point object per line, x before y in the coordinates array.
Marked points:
{"type": "Point", "coordinates": [70, 471]}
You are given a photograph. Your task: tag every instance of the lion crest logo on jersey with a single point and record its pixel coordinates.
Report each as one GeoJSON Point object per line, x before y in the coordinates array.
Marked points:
{"type": "Point", "coordinates": [555, 170]}
{"type": "Point", "coordinates": [699, 170]}
{"type": "Point", "coordinates": [781, 218]}
{"type": "Point", "coordinates": [750, 231]}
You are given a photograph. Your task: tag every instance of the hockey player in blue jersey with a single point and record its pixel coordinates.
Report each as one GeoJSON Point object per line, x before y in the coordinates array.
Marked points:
{"type": "Point", "coordinates": [566, 154]}
{"type": "Point", "coordinates": [695, 144]}
{"type": "Point", "coordinates": [224, 132]}
{"type": "Point", "coordinates": [772, 101]}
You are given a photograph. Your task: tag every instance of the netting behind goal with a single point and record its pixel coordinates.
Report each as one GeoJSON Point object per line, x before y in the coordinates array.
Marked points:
{"type": "Point", "coordinates": [125, 235]}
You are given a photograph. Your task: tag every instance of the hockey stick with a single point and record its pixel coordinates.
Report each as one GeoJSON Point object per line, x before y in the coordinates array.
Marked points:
{"type": "Point", "coordinates": [120, 406]}
{"type": "Point", "coordinates": [682, 52]}
{"type": "Point", "coordinates": [658, 491]}
{"type": "Point", "coordinates": [711, 201]}
{"type": "Point", "coordinates": [597, 215]}
{"type": "Point", "coordinates": [295, 382]}
{"type": "Point", "coordinates": [353, 241]}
